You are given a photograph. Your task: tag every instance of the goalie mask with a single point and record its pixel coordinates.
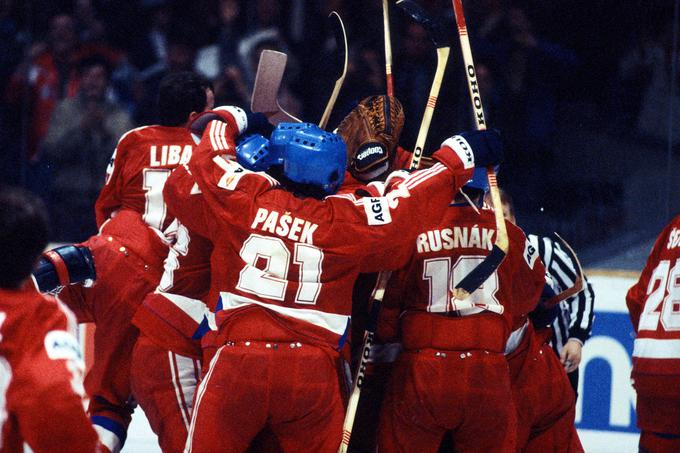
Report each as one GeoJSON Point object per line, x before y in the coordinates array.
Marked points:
{"type": "Point", "coordinates": [371, 131]}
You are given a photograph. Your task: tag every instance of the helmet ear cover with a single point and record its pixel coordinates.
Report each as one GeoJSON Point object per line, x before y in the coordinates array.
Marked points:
{"type": "Point", "coordinates": [254, 153]}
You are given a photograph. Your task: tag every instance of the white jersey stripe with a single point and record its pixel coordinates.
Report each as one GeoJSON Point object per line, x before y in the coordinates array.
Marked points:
{"type": "Point", "coordinates": [179, 394]}
{"type": "Point", "coordinates": [650, 348]}
{"type": "Point", "coordinates": [329, 321]}
{"type": "Point", "coordinates": [211, 133]}
{"type": "Point", "coordinates": [193, 308]}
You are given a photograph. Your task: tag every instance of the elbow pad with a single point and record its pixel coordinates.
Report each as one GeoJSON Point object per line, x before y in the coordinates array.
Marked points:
{"type": "Point", "coordinates": [64, 266]}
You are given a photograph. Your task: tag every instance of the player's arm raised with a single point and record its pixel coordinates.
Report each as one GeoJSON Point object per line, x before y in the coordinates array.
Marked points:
{"type": "Point", "coordinates": [414, 199]}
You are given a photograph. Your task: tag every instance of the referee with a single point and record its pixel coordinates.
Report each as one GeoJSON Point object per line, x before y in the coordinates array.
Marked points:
{"type": "Point", "coordinates": [574, 321]}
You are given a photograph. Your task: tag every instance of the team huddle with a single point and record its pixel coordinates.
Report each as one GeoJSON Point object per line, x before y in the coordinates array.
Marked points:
{"type": "Point", "coordinates": [230, 280]}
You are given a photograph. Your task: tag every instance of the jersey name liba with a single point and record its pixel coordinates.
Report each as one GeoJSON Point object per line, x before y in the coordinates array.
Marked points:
{"type": "Point", "coordinates": [456, 237]}
{"type": "Point", "coordinates": [169, 155]}
{"type": "Point", "coordinates": [285, 225]}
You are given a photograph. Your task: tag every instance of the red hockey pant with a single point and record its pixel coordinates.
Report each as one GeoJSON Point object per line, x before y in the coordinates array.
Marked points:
{"type": "Point", "coordinates": [164, 384]}
{"type": "Point", "coordinates": [432, 392]}
{"type": "Point", "coordinates": [295, 391]}
{"type": "Point", "coordinates": [544, 399]}
{"type": "Point", "coordinates": [123, 279]}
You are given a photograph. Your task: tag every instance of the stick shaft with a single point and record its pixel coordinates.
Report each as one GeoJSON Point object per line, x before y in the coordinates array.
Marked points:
{"type": "Point", "coordinates": [480, 122]}
{"type": "Point", "coordinates": [388, 48]}
{"type": "Point", "coordinates": [442, 58]}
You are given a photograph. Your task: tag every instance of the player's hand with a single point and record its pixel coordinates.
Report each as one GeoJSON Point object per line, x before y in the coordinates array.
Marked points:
{"type": "Point", "coordinates": [571, 355]}
{"type": "Point", "coordinates": [486, 147]}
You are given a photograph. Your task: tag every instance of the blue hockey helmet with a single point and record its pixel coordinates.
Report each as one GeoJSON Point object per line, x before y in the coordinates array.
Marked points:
{"type": "Point", "coordinates": [479, 180]}
{"type": "Point", "coordinates": [254, 153]}
{"type": "Point", "coordinates": [310, 155]}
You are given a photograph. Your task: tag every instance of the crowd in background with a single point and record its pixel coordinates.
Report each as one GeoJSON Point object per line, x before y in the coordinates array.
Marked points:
{"type": "Point", "coordinates": [75, 75]}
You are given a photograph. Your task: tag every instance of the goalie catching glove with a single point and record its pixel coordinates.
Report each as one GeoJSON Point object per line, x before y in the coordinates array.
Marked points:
{"type": "Point", "coordinates": [371, 131]}
{"type": "Point", "coordinates": [63, 266]}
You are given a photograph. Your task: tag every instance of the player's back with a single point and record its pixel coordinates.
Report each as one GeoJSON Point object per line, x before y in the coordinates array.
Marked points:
{"type": "Point", "coordinates": [446, 252]}
{"type": "Point", "coordinates": [40, 375]}
{"type": "Point", "coordinates": [652, 302]}
{"type": "Point", "coordinates": [138, 170]}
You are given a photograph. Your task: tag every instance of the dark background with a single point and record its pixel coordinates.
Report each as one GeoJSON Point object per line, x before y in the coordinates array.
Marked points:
{"type": "Point", "coordinates": [580, 90]}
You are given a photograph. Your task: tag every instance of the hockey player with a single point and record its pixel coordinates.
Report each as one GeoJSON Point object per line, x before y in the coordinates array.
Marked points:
{"type": "Point", "coordinates": [174, 318]}
{"type": "Point", "coordinates": [41, 366]}
{"type": "Point", "coordinates": [289, 276]}
{"type": "Point", "coordinates": [452, 374]}
{"type": "Point", "coordinates": [135, 234]}
{"type": "Point", "coordinates": [543, 396]}
{"type": "Point", "coordinates": [653, 306]}
{"type": "Point", "coordinates": [574, 321]}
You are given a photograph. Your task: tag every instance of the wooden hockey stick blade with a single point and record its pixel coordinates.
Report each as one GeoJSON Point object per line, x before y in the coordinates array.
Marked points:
{"type": "Point", "coordinates": [267, 84]}
{"type": "Point", "coordinates": [578, 283]}
{"type": "Point", "coordinates": [341, 43]}
{"type": "Point", "coordinates": [434, 26]}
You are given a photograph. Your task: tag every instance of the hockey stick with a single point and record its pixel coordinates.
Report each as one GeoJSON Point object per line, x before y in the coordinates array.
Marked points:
{"type": "Point", "coordinates": [578, 284]}
{"type": "Point", "coordinates": [439, 38]}
{"type": "Point", "coordinates": [479, 274]}
{"type": "Point", "coordinates": [268, 79]}
{"type": "Point", "coordinates": [340, 38]}
{"type": "Point", "coordinates": [388, 48]}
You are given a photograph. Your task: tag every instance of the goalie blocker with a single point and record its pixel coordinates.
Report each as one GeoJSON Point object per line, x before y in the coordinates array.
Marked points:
{"type": "Point", "coordinates": [64, 266]}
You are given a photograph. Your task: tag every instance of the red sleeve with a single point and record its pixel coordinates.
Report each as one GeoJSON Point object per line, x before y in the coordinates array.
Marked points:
{"type": "Point", "coordinates": [637, 294]}
{"type": "Point", "coordinates": [185, 201]}
{"type": "Point", "coordinates": [110, 197]}
{"type": "Point", "coordinates": [392, 221]}
{"type": "Point", "coordinates": [227, 188]}
{"type": "Point", "coordinates": [48, 400]}
{"type": "Point", "coordinates": [527, 273]}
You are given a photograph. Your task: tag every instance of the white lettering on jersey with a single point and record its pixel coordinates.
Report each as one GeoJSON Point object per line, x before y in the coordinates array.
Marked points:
{"type": "Point", "coordinates": [61, 345]}
{"type": "Point", "coordinates": [377, 210]}
{"type": "Point", "coordinates": [169, 155]}
{"type": "Point", "coordinates": [530, 254]}
{"type": "Point", "coordinates": [673, 239]}
{"type": "Point", "coordinates": [456, 237]}
{"type": "Point", "coordinates": [286, 226]}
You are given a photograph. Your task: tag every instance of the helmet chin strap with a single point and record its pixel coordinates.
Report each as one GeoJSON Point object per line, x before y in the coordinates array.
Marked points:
{"type": "Point", "coordinates": [474, 206]}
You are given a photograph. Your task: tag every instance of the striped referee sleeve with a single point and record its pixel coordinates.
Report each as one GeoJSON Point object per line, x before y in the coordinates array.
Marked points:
{"type": "Point", "coordinates": [576, 313]}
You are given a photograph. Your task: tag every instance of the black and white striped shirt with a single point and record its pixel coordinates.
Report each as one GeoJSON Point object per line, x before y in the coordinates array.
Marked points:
{"type": "Point", "coordinates": [575, 318]}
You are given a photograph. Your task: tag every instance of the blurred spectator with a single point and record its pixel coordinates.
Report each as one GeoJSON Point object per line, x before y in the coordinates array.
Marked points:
{"type": "Point", "coordinates": [82, 135]}
{"type": "Point", "coordinates": [529, 69]}
{"type": "Point", "coordinates": [181, 54]}
{"type": "Point", "coordinates": [644, 75]}
{"type": "Point", "coordinates": [414, 67]}
{"type": "Point", "coordinates": [213, 60]}
{"type": "Point", "coordinates": [47, 75]}
{"type": "Point", "coordinates": [151, 51]}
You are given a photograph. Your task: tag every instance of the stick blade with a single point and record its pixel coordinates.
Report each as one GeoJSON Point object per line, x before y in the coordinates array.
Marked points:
{"type": "Point", "coordinates": [435, 28]}
{"type": "Point", "coordinates": [268, 79]}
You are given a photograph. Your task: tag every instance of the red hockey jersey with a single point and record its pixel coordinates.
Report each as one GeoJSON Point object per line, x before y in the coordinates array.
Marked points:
{"type": "Point", "coordinates": [41, 371]}
{"type": "Point", "coordinates": [139, 167]}
{"type": "Point", "coordinates": [298, 258]}
{"type": "Point", "coordinates": [444, 253]}
{"type": "Point", "coordinates": [654, 305]}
